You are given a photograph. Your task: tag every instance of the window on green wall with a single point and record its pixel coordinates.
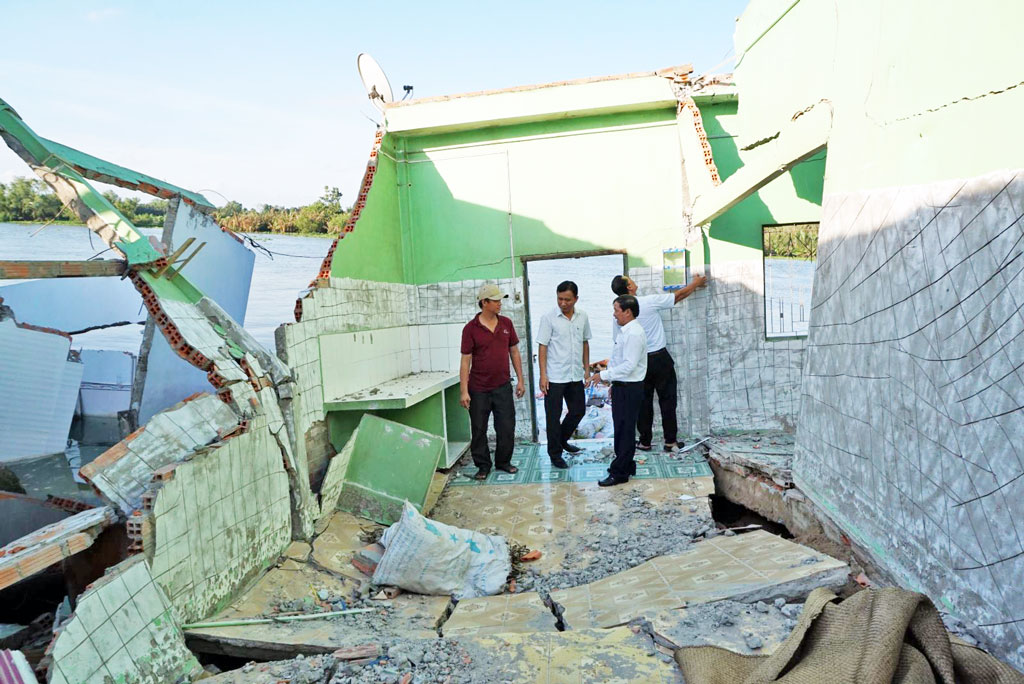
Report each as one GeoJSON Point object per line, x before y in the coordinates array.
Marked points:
{"type": "Point", "coordinates": [790, 255]}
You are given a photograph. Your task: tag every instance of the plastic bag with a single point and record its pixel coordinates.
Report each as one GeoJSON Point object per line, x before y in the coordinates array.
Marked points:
{"type": "Point", "coordinates": [427, 557]}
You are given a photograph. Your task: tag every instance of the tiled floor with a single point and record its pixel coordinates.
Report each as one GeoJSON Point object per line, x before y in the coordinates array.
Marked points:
{"type": "Point", "coordinates": [500, 614]}
{"type": "Point", "coordinates": [333, 548]}
{"type": "Point", "coordinates": [609, 655]}
{"type": "Point", "coordinates": [548, 516]}
{"type": "Point", "coordinates": [753, 564]}
{"type": "Point", "coordinates": [535, 466]}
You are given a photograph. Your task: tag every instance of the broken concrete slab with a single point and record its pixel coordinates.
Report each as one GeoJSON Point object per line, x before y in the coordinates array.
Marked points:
{"type": "Point", "coordinates": [334, 481]}
{"type": "Point", "coordinates": [298, 551]}
{"type": "Point", "coordinates": [500, 614]}
{"type": "Point", "coordinates": [314, 670]}
{"type": "Point", "coordinates": [51, 544]}
{"type": "Point", "coordinates": [619, 655]}
{"type": "Point", "coordinates": [727, 624]}
{"type": "Point", "coordinates": [390, 464]}
{"type": "Point", "coordinates": [749, 567]}
{"type": "Point", "coordinates": [767, 454]}
{"type": "Point", "coordinates": [123, 629]}
{"type": "Point", "coordinates": [584, 532]}
{"type": "Point", "coordinates": [299, 586]}
{"type": "Point", "coordinates": [123, 472]}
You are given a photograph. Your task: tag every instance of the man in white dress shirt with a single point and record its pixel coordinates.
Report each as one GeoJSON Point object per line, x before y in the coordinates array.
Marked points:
{"type": "Point", "coordinates": [661, 369]}
{"type": "Point", "coordinates": [625, 371]}
{"type": "Point", "coordinates": [564, 359]}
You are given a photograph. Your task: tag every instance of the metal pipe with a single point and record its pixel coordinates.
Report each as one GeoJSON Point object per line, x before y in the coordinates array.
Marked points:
{"type": "Point", "coordinates": [267, 621]}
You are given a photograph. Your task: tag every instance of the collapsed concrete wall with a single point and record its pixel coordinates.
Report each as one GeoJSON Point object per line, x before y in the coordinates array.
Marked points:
{"type": "Point", "coordinates": [122, 630]}
{"type": "Point", "coordinates": [223, 271]}
{"type": "Point", "coordinates": [215, 508]}
{"type": "Point", "coordinates": [217, 520]}
{"type": "Point", "coordinates": [910, 427]}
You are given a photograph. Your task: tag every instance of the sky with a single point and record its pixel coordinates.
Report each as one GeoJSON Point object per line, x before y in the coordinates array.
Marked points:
{"type": "Point", "coordinates": [261, 102]}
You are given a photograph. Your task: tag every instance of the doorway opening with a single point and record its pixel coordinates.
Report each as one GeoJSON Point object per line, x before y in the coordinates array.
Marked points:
{"type": "Point", "coordinates": [592, 273]}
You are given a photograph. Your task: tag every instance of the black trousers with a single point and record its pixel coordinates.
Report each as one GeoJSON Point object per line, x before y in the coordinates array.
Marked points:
{"type": "Point", "coordinates": [559, 434]}
{"type": "Point", "coordinates": [626, 400]}
{"type": "Point", "coordinates": [660, 378]}
{"type": "Point", "coordinates": [481, 404]}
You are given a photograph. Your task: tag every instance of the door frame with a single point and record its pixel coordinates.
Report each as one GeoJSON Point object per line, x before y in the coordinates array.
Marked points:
{"type": "Point", "coordinates": [525, 259]}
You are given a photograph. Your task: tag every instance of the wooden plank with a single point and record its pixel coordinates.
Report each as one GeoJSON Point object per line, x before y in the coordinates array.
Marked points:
{"type": "Point", "coordinates": [10, 270]}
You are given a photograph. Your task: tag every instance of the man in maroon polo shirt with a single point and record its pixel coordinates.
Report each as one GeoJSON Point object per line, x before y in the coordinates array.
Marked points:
{"type": "Point", "coordinates": [488, 342]}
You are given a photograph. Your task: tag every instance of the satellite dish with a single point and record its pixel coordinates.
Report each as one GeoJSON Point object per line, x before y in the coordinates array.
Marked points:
{"type": "Point", "coordinates": [376, 83]}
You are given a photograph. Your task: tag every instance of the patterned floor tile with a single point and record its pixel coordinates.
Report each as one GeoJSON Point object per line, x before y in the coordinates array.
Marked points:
{"type": "Point", "coordinates": [535, 467]}
{"type": "Point", "coordinates": [500, 614]}
{"type": "Point", "coordinates": [752, 564]}
{"type": "Point", "coordinates": [614, 656]}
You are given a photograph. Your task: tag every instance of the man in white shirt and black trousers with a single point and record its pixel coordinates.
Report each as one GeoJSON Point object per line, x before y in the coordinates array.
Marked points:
{"type": "Point", "coordinates": [661, 369]}
{"type": "Point", "coordinates": [563, 356]}
{"type": "Point", "coordinates": [625, 371]}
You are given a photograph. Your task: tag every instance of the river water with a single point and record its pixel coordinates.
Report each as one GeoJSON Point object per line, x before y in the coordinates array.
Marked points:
{"type": "Point", "coordinates": [277, 278]}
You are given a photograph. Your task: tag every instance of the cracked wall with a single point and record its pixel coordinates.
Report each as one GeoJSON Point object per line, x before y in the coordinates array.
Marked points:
{"type": "Point", "coordinates": [910, 425]}
{"type": "Point", "coordinates": [219, 519]}
{"type": "Point", "coordinates": [910, 417]}
{"type": "Point", "coordinates": [729, 377]}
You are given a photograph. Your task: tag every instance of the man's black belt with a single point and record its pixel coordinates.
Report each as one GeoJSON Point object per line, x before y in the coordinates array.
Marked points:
{"type": "Point", "coordinates": [663, 350]}
{"type": "Point", "coordinates": [623, 383]}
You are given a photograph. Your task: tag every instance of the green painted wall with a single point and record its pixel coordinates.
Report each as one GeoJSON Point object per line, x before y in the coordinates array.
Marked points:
{"type": "Point", "coordinates": [601, 182]}
{"type": "Point", "coordinates": [444, 210]}
{"type": "Point", "coordinates": [922, 90]}
{"type": "Point", "coordinates": [794, 197]}
{"type": "Point", "coordinates": [373, 251]}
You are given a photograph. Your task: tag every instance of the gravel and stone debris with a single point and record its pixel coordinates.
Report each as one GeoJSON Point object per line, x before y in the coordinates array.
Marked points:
{"type": "Point", "coordinates": [635, 533]}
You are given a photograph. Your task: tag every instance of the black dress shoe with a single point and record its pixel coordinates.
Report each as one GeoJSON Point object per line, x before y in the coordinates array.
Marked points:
{"type": "Point", "coordinates": [611, 481]}
{"type": "Point", "coordinates": [571, 448]}
{"type": "Point", "coordinates": [559, 462]}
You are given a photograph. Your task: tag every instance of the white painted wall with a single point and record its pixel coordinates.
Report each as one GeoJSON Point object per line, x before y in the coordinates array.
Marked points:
{"type": "Point", "coordinates": [40, 389]}
{"type": "Point", "coordinates": [106, 381]}
{"type": "Point", "coordinates": [73, 303]}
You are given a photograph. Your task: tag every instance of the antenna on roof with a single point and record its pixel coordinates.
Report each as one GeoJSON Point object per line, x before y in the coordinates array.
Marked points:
{"type": "Point", "coordinates": [376, 83]}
